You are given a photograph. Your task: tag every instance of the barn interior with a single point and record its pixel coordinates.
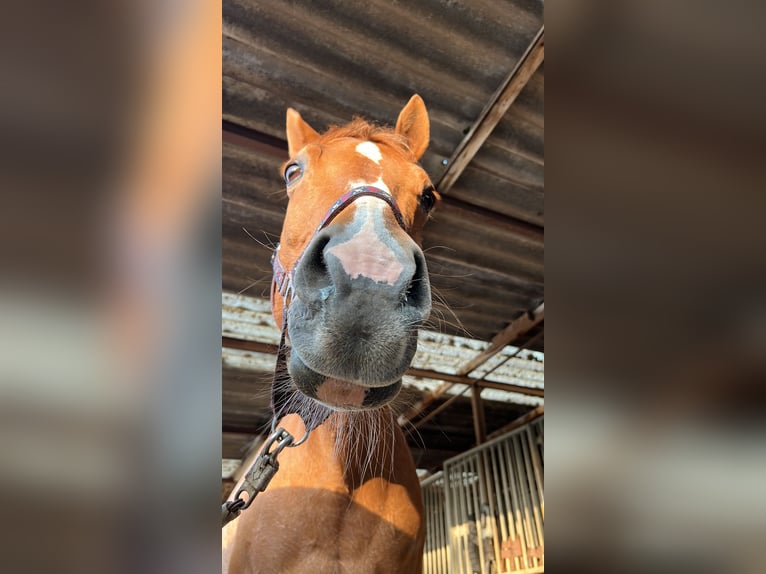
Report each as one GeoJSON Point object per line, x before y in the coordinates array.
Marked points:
{"type": "Point", "coordinates": [479, 369]}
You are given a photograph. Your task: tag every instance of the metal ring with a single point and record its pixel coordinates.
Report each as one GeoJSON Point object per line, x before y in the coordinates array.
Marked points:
{"type": "Point", "coordinates": [304, 439]}
{"type": "Point", "coordinates": [298, 443]}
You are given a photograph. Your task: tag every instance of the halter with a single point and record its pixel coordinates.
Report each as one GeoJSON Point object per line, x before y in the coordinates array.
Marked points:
{"type": "Point", "coordinates": [283, 279]}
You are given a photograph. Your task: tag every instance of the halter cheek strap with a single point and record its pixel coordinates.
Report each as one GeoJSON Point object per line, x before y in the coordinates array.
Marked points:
{"type": "Point", "coordinates": [282, 284]}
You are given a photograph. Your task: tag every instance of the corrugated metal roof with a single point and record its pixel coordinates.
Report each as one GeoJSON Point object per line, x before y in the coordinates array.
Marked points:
{"type": "Point", "coordinates": [335, 60]}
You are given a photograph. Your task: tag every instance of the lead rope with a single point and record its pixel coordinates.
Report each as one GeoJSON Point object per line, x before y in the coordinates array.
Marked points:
{"type": "Point", "coordinates": [258, 476]}
{"type": "Point", "coordinates": [266, 465]}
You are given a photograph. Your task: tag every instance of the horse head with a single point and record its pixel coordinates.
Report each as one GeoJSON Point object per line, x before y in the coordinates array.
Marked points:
{"type": "Point", "coordinates": [351, 285]}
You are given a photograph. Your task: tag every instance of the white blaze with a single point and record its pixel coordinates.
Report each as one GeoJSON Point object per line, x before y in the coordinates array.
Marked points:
{"type": "Point", "coordinates": [370, 150]}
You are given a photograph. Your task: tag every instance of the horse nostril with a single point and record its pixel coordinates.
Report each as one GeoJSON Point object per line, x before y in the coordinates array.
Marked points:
{"type": "Point", "coordinates": [316, 261]}
{"type": "Point", "coordinates": [414, 294]}
{"type": "Point", "coordinates": [418, 291]}
{"type": "Point", "coordinates": [312, 271]}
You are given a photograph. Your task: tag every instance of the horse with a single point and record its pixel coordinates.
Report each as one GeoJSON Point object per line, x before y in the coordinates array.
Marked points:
{"type": "Point", "coordinates": [350, 291]}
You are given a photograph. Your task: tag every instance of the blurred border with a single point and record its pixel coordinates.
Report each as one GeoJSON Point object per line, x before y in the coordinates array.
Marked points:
{"type": "Point", "coordinates": [656, 286]}
{"type": "Point", "coordinates": [110, 291]}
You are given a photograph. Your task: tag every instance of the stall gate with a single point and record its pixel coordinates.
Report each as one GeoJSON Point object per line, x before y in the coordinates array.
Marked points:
{"type": "Point", "coordinates": [485, 510]}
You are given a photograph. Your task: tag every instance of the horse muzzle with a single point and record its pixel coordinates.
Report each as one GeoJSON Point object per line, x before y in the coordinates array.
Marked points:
{"type": "Point", "coordinates": [360, 292]}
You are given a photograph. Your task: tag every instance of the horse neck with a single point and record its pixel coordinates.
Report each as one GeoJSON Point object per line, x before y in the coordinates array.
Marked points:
{"type": "Point", "coordinates": [355, 446]}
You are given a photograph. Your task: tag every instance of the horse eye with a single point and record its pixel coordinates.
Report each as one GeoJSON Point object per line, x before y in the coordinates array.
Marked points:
{"type": "Point", "coordinates": [428, 199]}
{"type": "Point", "coordinates": [293, 172]}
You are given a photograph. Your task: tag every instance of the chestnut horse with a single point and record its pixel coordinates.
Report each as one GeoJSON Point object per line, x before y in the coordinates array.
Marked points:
{"type": "Point", "coordinates": [350, 291]}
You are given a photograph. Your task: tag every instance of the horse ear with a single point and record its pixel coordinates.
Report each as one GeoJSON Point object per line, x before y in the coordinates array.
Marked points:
{"type": "Point", "coordinates": [413, 124]}
{"type": "Point", "coordinates": [299, 133]}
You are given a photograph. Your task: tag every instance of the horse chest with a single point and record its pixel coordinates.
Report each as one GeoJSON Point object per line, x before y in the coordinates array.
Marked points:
{"type": "Point", "coordinates": [310, 520]}
{"type": "Point", "coordinates": [308, 530]}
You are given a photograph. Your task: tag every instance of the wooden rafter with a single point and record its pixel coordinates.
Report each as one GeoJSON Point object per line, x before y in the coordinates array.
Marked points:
{"type": "Point", "coordinates": [463, 380]}
{"type": "Point", "coordinates": [493, 112]}
{"type": "Point", "coordinates": [512, 332]}
{"type": "Point", "coordinates": [254, 346]}
{"type": "Point", "coordinates": [420, 406]}
{"type": "Point", "coordinates": [479, 421]}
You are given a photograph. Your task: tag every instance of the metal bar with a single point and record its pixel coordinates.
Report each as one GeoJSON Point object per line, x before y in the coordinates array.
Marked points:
{"type": "Point", "coordinates": [535, 501]}
{"type": "Point", "coordinates": [493, 112]}
{"type": "Point", "coordinates": [472, 496]}
{"type": "Point", "coordinates": [489, 492]}
{"type": "Point", "coordinates": [499, 494]}
{"type": "Point", "coordinates": [517, 328]}
{"type": "Point", "coordinates": [526, 345]}
{"type": "Point", "coordinates": [516, 503]}
{"type": "Point", "coordinates": [527, 538]}
{"type": "Point", "coordinates": [444, 540]}
{"type": "Point", "coordinates": [436, 411]}
{"type": "Point", "coordinates": [505, 475]}
{"type": "Point", "coordinates": [463, 380]}
{"type": "Point", "coordinates": [435, 527]}
{"type": "Point", "coordinates": [445, 537]}
{"type": "Point", "coordinates": [463, 515]}
{"type": "Point", "coordinates": [499, 484]}
{"type": "Point", "coordinates": [486, 445]}
{"type": "Point", "coordinates": [536, 467]}
{"type": "Point", "coordinates": [430, 505]}
{"type": "Point", "coordinates": [466, 510]}
{"type": "Point", "coordinates": [449, 513]}
{"type": "Point", "coordinates": [519, 422]}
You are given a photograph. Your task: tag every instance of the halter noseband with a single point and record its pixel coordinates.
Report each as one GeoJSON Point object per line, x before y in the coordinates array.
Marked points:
{"type": "Point", "coordinates": [282, 281]}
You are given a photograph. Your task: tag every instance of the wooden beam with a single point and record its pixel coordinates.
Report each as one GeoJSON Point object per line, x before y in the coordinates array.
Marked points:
{"type": "Point", "coordinates": [493, 112]}
{"type": "Point", "coordinates": [426, 401]}
{"type": "Point", "coordinates": [463, 380]}
{"type": "Point", "coordinates": [506, 336]}
{"type": "Point", "coordinates": [479, 422]}
{"type": "Point", "coordinates": [243, 345]}
{"type": "Point", "coordinates": [254, 140]}
{"type": "Point", "coordinates": [433, 413]}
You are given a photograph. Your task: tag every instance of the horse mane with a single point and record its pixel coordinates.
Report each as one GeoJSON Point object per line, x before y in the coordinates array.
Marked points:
{"type": "Point", "coordinates": [360, 128]}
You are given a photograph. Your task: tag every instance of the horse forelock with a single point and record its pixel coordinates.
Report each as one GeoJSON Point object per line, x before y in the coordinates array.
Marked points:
{"type": "Point", "coordinates": [360, 128]}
